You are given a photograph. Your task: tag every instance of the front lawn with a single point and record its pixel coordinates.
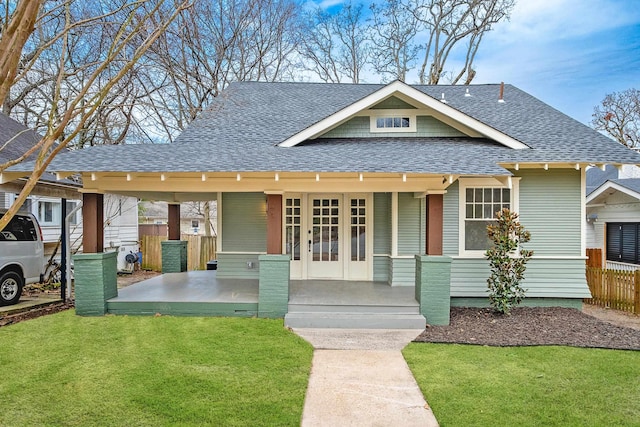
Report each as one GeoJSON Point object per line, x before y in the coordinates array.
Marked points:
{"type": "Point", "coordinates": [469, 385]}
{"type": "Point", "coordinates": [65, 370]}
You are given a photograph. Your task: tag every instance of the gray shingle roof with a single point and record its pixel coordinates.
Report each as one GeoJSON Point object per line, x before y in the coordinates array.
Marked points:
{"type": "Point", "coordinates": [596, 177]}
{"type": "Point", "coordinates": [19, 139]}
{"type": "Point", "coordinates": [632, 184]}
{"type": "Point", "coordinates": [240, 131]}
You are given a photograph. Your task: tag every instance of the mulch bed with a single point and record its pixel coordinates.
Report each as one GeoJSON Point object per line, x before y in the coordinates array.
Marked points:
{"type": "Point", "coordinates": [528, 326]}
{"type": "Point", "coordinates": [34, 312]}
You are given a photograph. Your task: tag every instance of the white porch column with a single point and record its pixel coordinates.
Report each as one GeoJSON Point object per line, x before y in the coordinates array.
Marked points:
{"type": "Point", "coordinates": [394, 224]}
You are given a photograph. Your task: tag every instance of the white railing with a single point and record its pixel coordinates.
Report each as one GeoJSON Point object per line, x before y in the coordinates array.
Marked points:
{"type": "Point", "coordinates": [621, 266]}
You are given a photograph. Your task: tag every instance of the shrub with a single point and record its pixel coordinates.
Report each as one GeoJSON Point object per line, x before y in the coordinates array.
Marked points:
{"type": "Point", "coordinates": [507, 268]}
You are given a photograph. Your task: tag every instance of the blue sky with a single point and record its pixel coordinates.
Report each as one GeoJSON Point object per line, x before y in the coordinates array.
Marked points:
{"type": "Point", "coordinates": [568, 53]}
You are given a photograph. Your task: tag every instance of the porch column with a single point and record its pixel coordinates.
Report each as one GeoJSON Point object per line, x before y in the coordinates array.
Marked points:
{"type": "Point", "coordinates": [92, 223]}
{"type": "Point", "coordinates": [95, 270]}
{"type": "Point", "coordinates": [274, 224]}
{"type": "Point", "coordinates": [173, 222]}
{"type": "Point", "coordinates": [273, 285]}
{"type": "Point", "coordinates": [433, 270]}
{"type": "Point", "coordinates": [434, 224]}
{"type": "Point", "coordinates": [174, 250]}
{"type": "Point", "coordinates": [433, 288]}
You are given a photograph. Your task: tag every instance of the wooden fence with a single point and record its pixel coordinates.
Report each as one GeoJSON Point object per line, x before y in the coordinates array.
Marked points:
{"type": "Point", "coordinates": [594, 257]}
{"type": "Point", "coordinates": [200, 250]}
{"type": "Point", "coordinates": [615, 289]}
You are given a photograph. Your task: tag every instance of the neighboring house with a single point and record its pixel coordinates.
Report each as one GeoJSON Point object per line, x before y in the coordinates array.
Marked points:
{"type": "Point", "coordinates": [45, 201]}
{"type": "Point", "coordinates": [613, 215]}
{"type": "Point", "coordinates": [390, 183]}
{"type": "Point", "coordinates": [191, 216]}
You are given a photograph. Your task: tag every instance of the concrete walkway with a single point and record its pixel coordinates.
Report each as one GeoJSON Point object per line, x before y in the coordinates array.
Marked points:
{"type": "Point", "coordinates": [359, 378]}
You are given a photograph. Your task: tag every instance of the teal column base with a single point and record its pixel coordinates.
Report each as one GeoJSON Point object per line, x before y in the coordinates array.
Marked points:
{"type": "Point", "coordinates": [174, 256]}
{"type": "Point", "coordinates": [433, 288]}
{"type": "Point", "coordinates": [96, 281]}
{"type": "Point", "coordinates": [273, 293]}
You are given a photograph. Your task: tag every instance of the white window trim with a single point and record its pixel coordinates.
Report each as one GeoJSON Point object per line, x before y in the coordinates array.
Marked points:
{"type": "Point", "coordinates": [377, 114]}
{"type": "Point", "coordinates": [465, 183]}
{"type": "Point", "coordinates": [55, 212]}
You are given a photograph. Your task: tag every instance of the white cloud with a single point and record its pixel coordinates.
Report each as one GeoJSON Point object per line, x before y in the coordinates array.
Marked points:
{"type": "Point", "coordinates": [569, 53]}
{"type": "Point", "coordinates": [559, 19]}
{"type": "Point", "coordinates": [323, 4]}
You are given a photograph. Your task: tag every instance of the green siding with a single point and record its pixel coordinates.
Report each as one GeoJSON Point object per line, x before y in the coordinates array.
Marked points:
{"type": "Point", "coordinates": [411, 231]}
{"type": "Point", "coordinates": [393, 103]}
{"type": "Point", "coordinates": [561, 278]}
{"type": "Point", "coordinates": [450, 238]}
{"type": "Point", "coordinates": [360, 127]}
{"type": "Point", "coordinates": [381, 236]}
{"type": "Point", "coordinates": [244, 222]}
{"type": "Point", "coordinates": [382, 223]}
{"type": "Point", "coordinates": [402, 272]}
{"type": "Point", "coordinates": [528, 302]}
{"type": "Point", "coordinates": [381, 268]}
{"type": "Point", "coordinates": [550, 208]}
{"type": "Point", "coordinates": [235, 266]}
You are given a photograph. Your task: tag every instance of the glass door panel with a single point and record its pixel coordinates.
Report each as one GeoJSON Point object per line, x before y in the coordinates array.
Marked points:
{"type": "Point", "coordinates": [324, 243]}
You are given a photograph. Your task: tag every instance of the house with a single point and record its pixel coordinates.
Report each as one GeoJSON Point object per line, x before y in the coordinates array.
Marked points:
{"type": "Point", "coordinates": [45, 201]}
{"type": "Point", "coordinates": [613, 215]}
{"type": "Point", "coordinates": [341, 185]}
{"type": "Point", "coordinates": [153, 217]}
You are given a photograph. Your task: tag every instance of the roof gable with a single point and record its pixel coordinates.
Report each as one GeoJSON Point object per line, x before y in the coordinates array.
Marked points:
{"type": "Point", "coordinates": [404, 92]}
{"type": "Point", "coordinates": [630, 187]}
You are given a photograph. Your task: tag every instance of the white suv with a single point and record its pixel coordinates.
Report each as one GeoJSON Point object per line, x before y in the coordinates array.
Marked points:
{"type": "Point", "coordinates": [21, 256]}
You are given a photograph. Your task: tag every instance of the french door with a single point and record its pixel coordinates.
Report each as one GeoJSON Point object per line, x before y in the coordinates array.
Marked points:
{"type": "Point", "coordinates": [328, 236]}
{"type": "Point", "coordinates": [324, 238]}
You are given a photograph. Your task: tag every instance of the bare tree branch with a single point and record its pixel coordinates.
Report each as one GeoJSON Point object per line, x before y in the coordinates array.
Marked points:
{"type": "Point", "coordinates": [619, 117]}
{"type": "Point", "coordinates": [142, 25]}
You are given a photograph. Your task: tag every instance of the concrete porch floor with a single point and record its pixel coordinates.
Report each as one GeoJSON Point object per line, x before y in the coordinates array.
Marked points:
{"type": "Point", "coordinates": [204, 286]}
{"type": "Point", "coordinates": [201, 293]}
{"type": "Point", "coordinates": [191, 286]}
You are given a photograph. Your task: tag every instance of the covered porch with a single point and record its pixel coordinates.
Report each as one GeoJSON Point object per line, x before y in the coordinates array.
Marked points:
{"type": "Point", "coordinates": [355, 254]}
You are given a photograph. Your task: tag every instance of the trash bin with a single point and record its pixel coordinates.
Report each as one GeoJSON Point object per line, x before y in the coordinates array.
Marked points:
{"type": "Point", "coordinates": [212, 265]}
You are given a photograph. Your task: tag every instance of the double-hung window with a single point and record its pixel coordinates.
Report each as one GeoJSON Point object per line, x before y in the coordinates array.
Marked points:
{"type": "Point", "coordinates": [480, 201]}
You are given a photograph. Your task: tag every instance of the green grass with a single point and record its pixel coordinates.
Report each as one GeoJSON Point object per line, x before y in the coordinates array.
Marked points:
{"type": "Point", "coordinates": [528, 386]}
{"type": "Point", "coordinates": [65, 370]}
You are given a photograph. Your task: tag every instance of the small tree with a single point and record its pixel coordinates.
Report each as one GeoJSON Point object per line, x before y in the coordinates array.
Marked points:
{"type": "Point", "coordinates": [507, 270]}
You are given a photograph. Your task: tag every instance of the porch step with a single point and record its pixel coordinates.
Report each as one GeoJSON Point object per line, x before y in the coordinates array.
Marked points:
{"type": "Point", "coordinates": [354, 320]}
{"type": "Point", "coordinates": [354, 308]}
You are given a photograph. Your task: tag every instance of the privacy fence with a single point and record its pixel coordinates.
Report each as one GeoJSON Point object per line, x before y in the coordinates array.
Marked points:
{"type": "Point", "coordinates": [612, 288]}
{"type": "Point", "coordinates": [200, 250]}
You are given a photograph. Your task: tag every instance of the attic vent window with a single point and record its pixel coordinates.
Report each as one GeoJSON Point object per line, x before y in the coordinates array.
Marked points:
{"type": "Point", "coordinates": [400, 123]}
{"type": "Point", "coordinates": [392, 122]}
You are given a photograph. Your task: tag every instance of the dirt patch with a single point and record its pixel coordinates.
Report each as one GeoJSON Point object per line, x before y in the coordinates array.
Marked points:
{"type": "Point", "coordinates": [126, 279]}
{"type": "Point", "coordinates": [528, 326]}
{"type": "Point", "coordinates": [44, 306]}
{"type": "Point", "coordinates": [620, 318]}
{"type": "Point", "coordinates": [34, 312]}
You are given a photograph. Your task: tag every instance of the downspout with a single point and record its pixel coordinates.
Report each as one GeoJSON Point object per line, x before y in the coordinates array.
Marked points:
{"type": "Point", "coordinates": [67, 249]}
